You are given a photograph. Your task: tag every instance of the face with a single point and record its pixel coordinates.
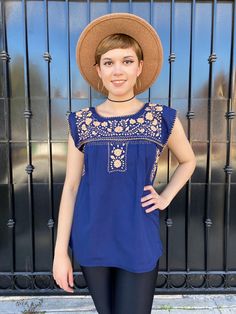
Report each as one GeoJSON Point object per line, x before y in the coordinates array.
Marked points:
{"type": "Point", "coordinates": [119, 70]}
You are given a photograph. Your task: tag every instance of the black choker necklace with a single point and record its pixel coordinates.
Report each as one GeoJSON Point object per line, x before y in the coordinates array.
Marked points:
{"type": "Point", "coordinates": [120, 100]}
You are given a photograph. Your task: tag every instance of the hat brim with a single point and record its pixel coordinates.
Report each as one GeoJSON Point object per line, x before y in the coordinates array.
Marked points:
{"type": "Point", "coordinates": [125, 23]}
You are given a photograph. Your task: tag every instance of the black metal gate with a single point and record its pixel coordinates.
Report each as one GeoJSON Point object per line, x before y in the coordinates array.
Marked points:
{"type": "Point", "coordinates": [40, 83]}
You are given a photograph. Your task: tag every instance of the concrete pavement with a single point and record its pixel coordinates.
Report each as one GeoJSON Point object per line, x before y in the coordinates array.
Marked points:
{"type": "Point", "coordinates": [162, 304]}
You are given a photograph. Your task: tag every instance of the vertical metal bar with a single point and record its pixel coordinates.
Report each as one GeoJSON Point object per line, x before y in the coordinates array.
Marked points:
{"type": "Point", "coordinates": [228, 168]}
{"type": "Point", "coordinates": [109, 6]}
{"type": "Point", "coordinates": [48, 58]}
{"type": "Point", "coordinates": [89, 19]}
{"type": "Point", "coordinates": [151, 22]}
{"type": "Point", "coordinates": [171, 59]}
{"type": "Point", "coordinates": [6, 95]}
{"type": "Point", "coordinates": [190, 115]}
{"type": "Point", "coordinates": [130, 6]}
{"type": "Point", "coordinates": [68, 64]}
{"type": "Point", "coordinates": [27, 113]}
{"type": "Point", "coordinates": [68, 52]}
{"type": "Point", "coordinates": [208, 221]}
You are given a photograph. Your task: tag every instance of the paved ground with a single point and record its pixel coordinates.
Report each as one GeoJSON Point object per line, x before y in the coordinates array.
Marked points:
{"type": "Point", "coordinates": [162, 304]}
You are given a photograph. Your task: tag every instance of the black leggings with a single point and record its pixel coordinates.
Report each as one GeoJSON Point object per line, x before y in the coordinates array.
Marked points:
{"type": "Point", "coordinates": [117, 291]}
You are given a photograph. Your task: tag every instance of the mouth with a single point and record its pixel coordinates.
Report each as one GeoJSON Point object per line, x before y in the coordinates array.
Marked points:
{"type": "Point", "coordinates": [118, 82]}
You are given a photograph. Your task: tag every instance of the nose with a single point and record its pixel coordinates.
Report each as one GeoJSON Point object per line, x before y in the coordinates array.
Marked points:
{"type": "Point", "coordinates": [117, 69]}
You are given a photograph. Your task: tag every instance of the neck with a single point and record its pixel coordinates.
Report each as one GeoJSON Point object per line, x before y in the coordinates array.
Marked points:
{"type": "Point", "coordinates": [124, 100]}
{"type": "Point", "coordinates": [122, 107]}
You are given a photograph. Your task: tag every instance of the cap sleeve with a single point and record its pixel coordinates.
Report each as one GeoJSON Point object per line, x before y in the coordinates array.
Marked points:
{"type": "Point", "coordinates": [168, 119]}
{"type": "Point", "coordinates": [72, 127]}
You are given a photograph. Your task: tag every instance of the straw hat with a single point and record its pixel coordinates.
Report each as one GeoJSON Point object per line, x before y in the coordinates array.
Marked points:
{"type": "Point", "coordinates": [125, 23]}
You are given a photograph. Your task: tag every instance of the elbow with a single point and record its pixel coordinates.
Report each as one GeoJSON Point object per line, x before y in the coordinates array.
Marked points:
{"type": "Point", "coordinates": [193, 164]}
{"type": "Point", "coordinates": [190, 163]}
{"type": "Point", "coordinates": [192, 160]}
{"type": "Point", "coordinates": [71, 187]}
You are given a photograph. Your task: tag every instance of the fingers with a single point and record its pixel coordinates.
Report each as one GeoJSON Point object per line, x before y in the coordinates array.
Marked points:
{"type": "Point", "coordinates": [151, 209]}
{"type": "Point", "coordinates": [58, 283]}
{"type": "Point", "coordinates": [150, 196]}
{"type": "Point", "coordinates": [150, 202]}
{"type": "Point", "coordinates": [149, 187]}
{"type": "Point", "coordinates": [65, 284]}
{"type": "Point", "coordinates": [71, 280]}
{"type": "Point", "coordinates": [63, 272]}
{"type": "Point", "coordinates": [153, 198]}
{"type": "Point", "coordinates": [66, 287]}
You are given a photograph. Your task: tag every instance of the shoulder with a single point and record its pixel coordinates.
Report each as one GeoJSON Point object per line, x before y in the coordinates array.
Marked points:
{"type": "Point", "coordinates": [154, 106]}
{"type": "Point", "coordinates": [167, 117]}
{"type": "Point", "coordinates": [168, 113]}
{"type": "Point", "coordinates": [80, 114]}
{"type": "Point", "coordinates": [165, 111]}
{"type": "Point", "coordinates": [161, 107]}
{"type": "Point", "coordinates": [165, 108]}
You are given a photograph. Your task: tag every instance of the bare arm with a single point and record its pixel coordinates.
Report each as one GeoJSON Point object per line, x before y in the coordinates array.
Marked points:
{"type": "Point", "coordinates": [75, 161]}
{"type": "Point", "coordinates": [182, 150]}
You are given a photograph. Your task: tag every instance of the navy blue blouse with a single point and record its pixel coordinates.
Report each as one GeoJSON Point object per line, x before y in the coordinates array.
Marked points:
{"type": "Point", "coordinates": [110, 226]}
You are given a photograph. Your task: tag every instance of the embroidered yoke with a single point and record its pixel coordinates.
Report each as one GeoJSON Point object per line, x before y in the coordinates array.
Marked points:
{"type": "Point", "coordinates": [110, 226]}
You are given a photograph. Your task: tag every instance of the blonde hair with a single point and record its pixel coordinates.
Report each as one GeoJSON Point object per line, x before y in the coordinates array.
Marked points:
{"type": "Point", "coordinates": [117, 41]}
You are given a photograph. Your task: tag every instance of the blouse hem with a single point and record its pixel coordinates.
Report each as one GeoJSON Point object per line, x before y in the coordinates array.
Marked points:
{"type": "Point", "coordinates": [135, 270]}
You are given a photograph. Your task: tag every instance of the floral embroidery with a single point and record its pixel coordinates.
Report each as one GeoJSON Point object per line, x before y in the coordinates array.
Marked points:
{"type": "Point", "coordinates": [117, 155]}
{"type": "Point", "coordinates": [118, 132]}
{"type": "Point", "coordinates": [146, 126]}
{"type": "Point", "coordinates": [155, 164]}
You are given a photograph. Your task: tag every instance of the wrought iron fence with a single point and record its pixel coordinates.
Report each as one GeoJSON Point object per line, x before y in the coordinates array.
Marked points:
{"type": "Point", "coordinates": [40, 83]}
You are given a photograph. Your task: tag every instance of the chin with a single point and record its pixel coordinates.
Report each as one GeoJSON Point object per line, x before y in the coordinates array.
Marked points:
{"type": "Point", "coordinates": [123, 93]}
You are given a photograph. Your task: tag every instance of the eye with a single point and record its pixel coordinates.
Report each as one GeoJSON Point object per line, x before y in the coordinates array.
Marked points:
{"type": "Point", "coordinates": [107, 63]}
{"type": "Point", "coordinates": [129, 61]}
{"type": "Point", "coordinates": [126, 62]}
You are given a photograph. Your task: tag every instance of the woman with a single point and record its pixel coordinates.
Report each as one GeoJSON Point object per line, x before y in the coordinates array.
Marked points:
{"type": "Point", "coordinates": [109, 211]}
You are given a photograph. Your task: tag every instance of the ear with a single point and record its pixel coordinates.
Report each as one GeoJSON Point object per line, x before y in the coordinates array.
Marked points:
{"type": "Point", "coordinates": [98, 70]}
{"type": "Point", "coordinates": [140, 67]}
